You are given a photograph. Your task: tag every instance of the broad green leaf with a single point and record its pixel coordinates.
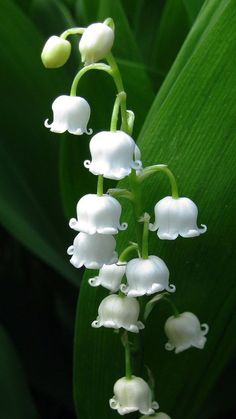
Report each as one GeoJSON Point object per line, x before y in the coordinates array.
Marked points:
{"type": "Point", "coordinates": [15, 399]}
{"type": "Point", "coordinates": [172, 31]}
{"type": "Point", "coordinates": [86, 11]}
{"type": "Point", "coordinates": [51, 16]}
{"type": "Point", "coordinates": [191, 126]}
{"type": "Point", "coordinates": [29, 152]}
{"type": "Point", "coordinates": [192, 8]}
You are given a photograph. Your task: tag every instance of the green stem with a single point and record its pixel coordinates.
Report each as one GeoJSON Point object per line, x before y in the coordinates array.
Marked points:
{"type": "Point", "coordinates": [173, 306]}
{"type": "Point", "coordinates": [145, 221]}
{"type": "Point", "coordinates": [137, 207]}
{"type": "Point", "coordinates": [110, 22]}
{"type": "Point", "coordinates": [128, 370]}
{"type": "Point", "coordinates": [72, 31]}
{"type": "Point", "coordinates": [124, 255]}
{"type": "Point", "coordinates": [98, 66]}
{"type": "Point", "coordinates": [115, 113]}
{"type": "Point", "coordinates": [100, 185]}
{"type": "Point", "coordinates": [115, 72]}
{"type": "Point", "coordinates": [164, 169]}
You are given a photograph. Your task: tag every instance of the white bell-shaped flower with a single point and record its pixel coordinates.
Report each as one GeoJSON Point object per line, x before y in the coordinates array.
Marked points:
{"type": "Point", "coordinates": [185, 331]}
{"type": "Point", "coordinates": [96, 42]}
{"type": "Point", "coordinates": [55, 52]}
{"type": "Point", "coordinates": [109, 277]}
{"type": "Point", "coordinates": [159, 415]}
{"type": "Point", "coordinates": [146, 276]}
{"type": "Point", "coordinates": [116, 312]}
{"type": "Point", "coordinates": [131, 395]}
{"type": "Point", "coordinates": [70, 113]}
{"type": "Point", "coordinates": [98, 214]}
{"type": "Point", "coordinates": [175, 217]}
{"type": "Point", "coordinates": [112, 155]}
{"type": "Point", "coordinates": [92, 251]}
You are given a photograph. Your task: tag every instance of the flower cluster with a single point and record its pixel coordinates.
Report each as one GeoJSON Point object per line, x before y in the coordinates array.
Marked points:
{"type": "Point", "coordinates": [115, 155]}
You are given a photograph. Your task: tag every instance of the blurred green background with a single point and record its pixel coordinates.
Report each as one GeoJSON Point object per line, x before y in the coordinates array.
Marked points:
{"type": "Point", "coordinates": [177, 58]}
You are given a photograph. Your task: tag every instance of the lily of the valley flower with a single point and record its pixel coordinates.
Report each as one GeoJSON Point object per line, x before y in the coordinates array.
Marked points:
{"type": "Point", "coordinates": [159, 415]}
{"type": "Point", "coordinates": [175, 217]}
{"type": "Point", "coordinates": [146, 276]}
{"type": "Point", "coordinates": [131, 395]}
{"type": "Point", "coordinates": [116, 312]}
{"type": "Point", "coordinates": [70, 113]}
{"type": "Point", "coordinates": [92, 251]}
{"type": "Point", "coordinates": [96, 42]}
{"type": "Point", "coordinates": [185, 331]}
{"type": "Point", "coordinates": [98, 214]}
{"type": "Point", "coordinates": [109, 277]}
{"type": "Point", "coordinates": [112, 155]}
{"type": "Point", "coordinates": [55, 52]}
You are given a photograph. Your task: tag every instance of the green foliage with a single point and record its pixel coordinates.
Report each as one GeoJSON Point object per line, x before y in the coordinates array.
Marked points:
{"type": "Point", "coordinates": [191, 126]}
{"type": "Point", "coordinates": [15, 399]}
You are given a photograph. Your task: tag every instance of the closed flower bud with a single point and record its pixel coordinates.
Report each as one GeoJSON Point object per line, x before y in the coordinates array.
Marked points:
{"type": "Point", "coordinates": [116, 312]}
{"type": "Point", "coordinates": [109, 277]}
{"type": "Point", "coordinates": [95, 42]}
{"type": "Point", "coordinates": [159, 415]}
{"type": "Point", "coordinates": [175, 217]}
{"type": "Point", "coordinates": [146, 276]}
{"type": "Point", "coordinates": [98, 214]}
{"type": "Point", "coordinates": [131, 395]}
{"type": "Point", "coordinates": [70, 113]}
{"type": "Point", "coordinates": [92, 251]}
{"type": "Point", "coordinates": [185, 331]}
{"type": "Point", "coordinates": [55, 52]}
{"type": "Point", "coordinates": [112, 155]}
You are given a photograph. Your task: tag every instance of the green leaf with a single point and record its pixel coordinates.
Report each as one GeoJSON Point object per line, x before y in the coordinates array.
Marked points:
{"type": "Point", "coordinates": [15, 398]}
{"type": "Point", "coordinates": [192, 127]}
{"type": "Point", "coordinates": [192, 8]}
{"type": "Point", "coordinates": [29, 152]}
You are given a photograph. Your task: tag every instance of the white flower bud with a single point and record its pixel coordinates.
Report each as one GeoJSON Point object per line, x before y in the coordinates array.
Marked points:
{"type": "Point", "coordinates": [131, 395]}
{"type": "Point", "coordinates": [159, 415]}
{"type": "Point", "coordinates": [109, 277]}
{"type": "Point", "coordinates": [55, 52]}
{"type": "Point", "coordinates": [112, 155]}
{"type": "Point", "coordinates": [70, 113]}
{"type": "Point", "coordinates": [185, 331]}
{"type": "Point", "coordinates": [95, 42]}
{"type": "Point", "coordinates": [146, 276]}
{"type": "Point", "coordinates": [175, 217]}
{"type": "Point", "coordinates": [92, 251]}
{"type": "Point", "coordinates": [98, 214]}
{"type": "Point", "coordinates": [116, 312]}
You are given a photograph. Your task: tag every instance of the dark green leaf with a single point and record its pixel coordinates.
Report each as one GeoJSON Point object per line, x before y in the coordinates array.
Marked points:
{"type": "Point", "coordinates": [29, 153]}
{"type": "Point", "coordinates": [15, 398]}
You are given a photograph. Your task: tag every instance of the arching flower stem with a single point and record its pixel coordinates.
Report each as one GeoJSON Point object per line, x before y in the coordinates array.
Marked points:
{"type": "Point", "coordinates": [72, 31]}
{"type": "Point", "coordinates": [125, 254]}
{"type": "Point", "coordinates": [173, 306]}
{"type": "Point", "coordinates": [100, 186]}
{"type": "Point", "coordinates": [125, 341]}
{"type": "Point", "coordinates": [110, 22]}
{"type": "Point", "coordinates": [96, 66]}
{"type": "Point", "coordinates": [148, 171]}
{"type": "Point", "coordinates": [115, 73]}
{"type": "Point", "coordinates": [115, 113]}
